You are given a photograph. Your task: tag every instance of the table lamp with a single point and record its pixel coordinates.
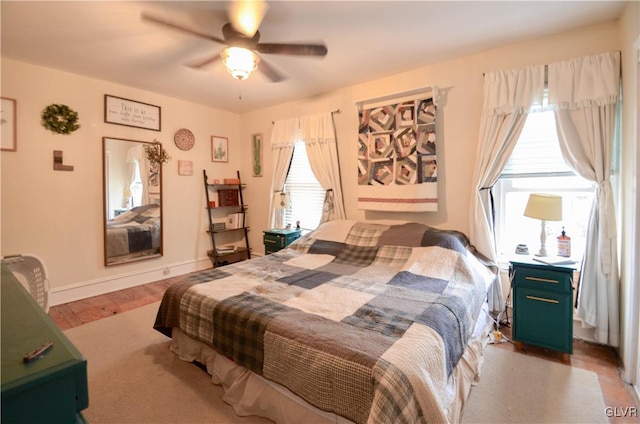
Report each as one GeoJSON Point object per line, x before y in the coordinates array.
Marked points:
{"type": "Point", "coordinates": [545, 207]}
{"type": "Point", "coordinates": [126, 197]}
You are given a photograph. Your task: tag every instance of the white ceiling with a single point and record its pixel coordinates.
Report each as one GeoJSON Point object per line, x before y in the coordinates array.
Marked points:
{"type": "Point", "coordinates": [366, 40]}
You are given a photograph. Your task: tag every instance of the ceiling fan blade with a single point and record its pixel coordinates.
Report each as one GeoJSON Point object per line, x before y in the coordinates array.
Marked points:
{"type": "Point", "coordinates": [270, 72]}
{"type": "Point", "coordinates": [164, 22]}
{"type": "Point", "coordinates": [292, 49]}
{"type": "Point", "coordinates": [196, 64]}
{"type": "Point", "coordinates": [246, 15]}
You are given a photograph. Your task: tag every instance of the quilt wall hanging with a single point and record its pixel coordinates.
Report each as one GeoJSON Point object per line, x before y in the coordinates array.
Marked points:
{"type": "Point", "coordinates": [397, 165]}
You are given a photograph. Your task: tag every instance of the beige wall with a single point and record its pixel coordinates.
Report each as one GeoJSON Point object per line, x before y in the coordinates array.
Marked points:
{"type": "Point", "coordinates": [57, 215]}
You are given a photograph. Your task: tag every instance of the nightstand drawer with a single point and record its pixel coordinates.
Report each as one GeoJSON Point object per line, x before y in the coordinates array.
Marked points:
{"type": "Point", "coordinates": [544, 279]}
{"type": "Point", "coordinates": [275, 240]}
{"type": "Point", "coordinates": [540, 318]}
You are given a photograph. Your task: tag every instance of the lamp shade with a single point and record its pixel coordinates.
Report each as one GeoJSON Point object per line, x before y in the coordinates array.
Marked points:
{"type": "Point", "coordinates": [281, 200]}
{"type": "Point", "coordinates": [240, 62]}
{"type": "Point", "coordinates": [547, 207]}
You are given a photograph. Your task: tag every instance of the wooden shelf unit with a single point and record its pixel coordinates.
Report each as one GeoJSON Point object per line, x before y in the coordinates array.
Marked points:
{"type": "Point", "coordinates": [242, 253]}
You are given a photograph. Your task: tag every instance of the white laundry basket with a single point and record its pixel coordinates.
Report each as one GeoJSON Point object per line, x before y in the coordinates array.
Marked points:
{"type": "Point", "coordinates": [31, 272]}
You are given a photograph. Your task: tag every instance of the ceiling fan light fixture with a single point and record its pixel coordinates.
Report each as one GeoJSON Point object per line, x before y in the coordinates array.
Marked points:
{"type": "Point", "coordinates": [240, 62]}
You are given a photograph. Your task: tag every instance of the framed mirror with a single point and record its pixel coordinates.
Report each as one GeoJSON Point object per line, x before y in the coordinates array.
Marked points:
{"type": "Point", "coordinates": [132, 188]}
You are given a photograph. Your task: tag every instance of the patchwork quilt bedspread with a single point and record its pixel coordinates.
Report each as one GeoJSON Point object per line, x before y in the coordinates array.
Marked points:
{"type": "Point", "coordinates": [363, 319]}
{"type": "Point", "coordinates": [134, 231]}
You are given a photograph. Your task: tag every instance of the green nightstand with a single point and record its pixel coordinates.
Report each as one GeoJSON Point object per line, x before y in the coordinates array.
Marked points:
{"type": "Point", "coordinates": [543, 305]}
{"type": "Point", "coordinates": [275, 240]}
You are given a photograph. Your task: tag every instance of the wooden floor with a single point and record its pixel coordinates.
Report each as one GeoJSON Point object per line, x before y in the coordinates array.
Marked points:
{"type": "Point", "coordinates": [593, 357]}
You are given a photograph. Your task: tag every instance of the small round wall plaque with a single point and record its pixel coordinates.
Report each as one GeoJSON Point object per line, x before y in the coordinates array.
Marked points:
{"type": "Point", "coordinates": [184, 139]}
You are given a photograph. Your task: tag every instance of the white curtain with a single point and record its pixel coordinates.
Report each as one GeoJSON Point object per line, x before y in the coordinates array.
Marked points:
{"type": "Point", "coordinates": [136, 158]}
{"type": "Point", "coordinates": [283, 138]}
{"type": "Point", "coordinates": [318, 133]}
{"type": "Point", "coordinates": [584, 93]}
{"type": "Point", "coordinates": [508, 97]}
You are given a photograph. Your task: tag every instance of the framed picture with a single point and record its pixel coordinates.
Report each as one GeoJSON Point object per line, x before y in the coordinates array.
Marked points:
{"type": "Point", "coordinates": [130, 113]}
{"type": "Point", "coordinates": [8, 121]}
{"type": "Point", "coordinates": [185, 167]}
{"type": "Point", "coordinates": [219, 149]}
{"type": "Point", "coordinates": [256, 155]}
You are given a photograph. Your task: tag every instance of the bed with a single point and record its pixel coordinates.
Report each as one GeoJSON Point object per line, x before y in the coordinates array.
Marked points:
{"type": "Point", "coordinates": [134, 232]}
{"type": "Point", "coordinates": [358, 321]}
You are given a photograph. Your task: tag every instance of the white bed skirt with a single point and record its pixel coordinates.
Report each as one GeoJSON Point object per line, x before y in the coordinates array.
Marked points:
{"type": "Point", "coordinates": [251, 394]}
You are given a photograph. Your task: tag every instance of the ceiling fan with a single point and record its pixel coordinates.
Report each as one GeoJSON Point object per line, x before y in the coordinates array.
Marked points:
{"type": "Point", "coordinates": [242, 38]}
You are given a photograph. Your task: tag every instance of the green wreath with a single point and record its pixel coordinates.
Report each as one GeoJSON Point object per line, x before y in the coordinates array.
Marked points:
{"type": "Point", "coordinates": [60, 119]}
{"type": "Point", "coordinates": [156, 154]}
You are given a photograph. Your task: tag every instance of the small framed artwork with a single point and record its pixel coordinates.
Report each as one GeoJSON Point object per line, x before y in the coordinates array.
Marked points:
{"type": "Point", "coordinates": [185, 167]}
{"type": "Point", "coordinates": [8, 121]}
{"type": "Point", "coordinates": [219, 149]}
{"type": "Point", "coordinates": [256, 155]}
{"type": "Point", "coordinates": [130, 113]}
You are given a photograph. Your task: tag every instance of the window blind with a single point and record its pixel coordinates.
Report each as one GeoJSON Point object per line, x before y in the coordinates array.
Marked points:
{"type": "Point", "coordinates": [305, 193]}
{"type": "Point", "coordinates": [537, 152]}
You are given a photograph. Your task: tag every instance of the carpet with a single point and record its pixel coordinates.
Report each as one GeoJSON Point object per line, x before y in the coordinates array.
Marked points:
{"type": "Point", "coordinates": [516, 388]}
{"type": "Point", "coordinates": [135, 378]}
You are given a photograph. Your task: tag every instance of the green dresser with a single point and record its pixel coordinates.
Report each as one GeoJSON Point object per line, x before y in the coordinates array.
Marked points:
{"type": "Point", "coordinates": [542, 306]}
{"type": "Point", "coordinates": [50, 389]}
{"type": "Point", "coordinates": [275, 240]}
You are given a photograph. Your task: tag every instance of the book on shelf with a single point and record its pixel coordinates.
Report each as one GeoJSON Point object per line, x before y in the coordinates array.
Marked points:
{"type": "Point", "coordinates": [236, 220]}
{"type": "Point", "coordinates": [554, 260]}
{"type": "Point", "coordinates": [226, 249]}
{"type": "Point", "coordinates": [219, 224]}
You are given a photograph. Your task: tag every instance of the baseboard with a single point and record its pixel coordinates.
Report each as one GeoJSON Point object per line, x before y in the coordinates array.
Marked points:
{"type": "Point", "coordinates": [83, 290]}
{"type": "Point", "coordinates": [580, 332]}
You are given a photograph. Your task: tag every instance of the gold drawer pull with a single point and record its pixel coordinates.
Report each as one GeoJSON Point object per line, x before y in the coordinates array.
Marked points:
{"type": "Point", "coordinates": [544, 280]}
{"type": "Point", "coordinates": [542, 299]}
{"type": "Point", "coordinates": [269, 241]}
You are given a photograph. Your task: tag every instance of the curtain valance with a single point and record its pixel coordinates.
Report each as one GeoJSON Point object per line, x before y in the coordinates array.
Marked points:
{"type": "Point", "coordinates": [585, 81]}
{"type": "Point", "coordinates": [285, 133]}
{"type": "Point", "coordinates": [513, 90]}
{"type": "Point", "coordinates": [317, 129]}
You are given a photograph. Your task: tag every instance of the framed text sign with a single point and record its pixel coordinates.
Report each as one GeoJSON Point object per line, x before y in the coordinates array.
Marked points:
{"type": "Point", "coordinates": [131, 113]}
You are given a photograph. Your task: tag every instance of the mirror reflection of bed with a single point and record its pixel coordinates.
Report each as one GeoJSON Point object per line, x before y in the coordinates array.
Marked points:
{"type": "Point", "coordinates": [132, 202]}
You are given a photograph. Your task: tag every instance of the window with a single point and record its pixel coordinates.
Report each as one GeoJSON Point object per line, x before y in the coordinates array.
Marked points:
{"type": "Point", "coordinates": [536, 166]}
{"type": "Point", "coordinates": [306, 195]}
{"type": "Point", "coordinates": [136, 186]}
